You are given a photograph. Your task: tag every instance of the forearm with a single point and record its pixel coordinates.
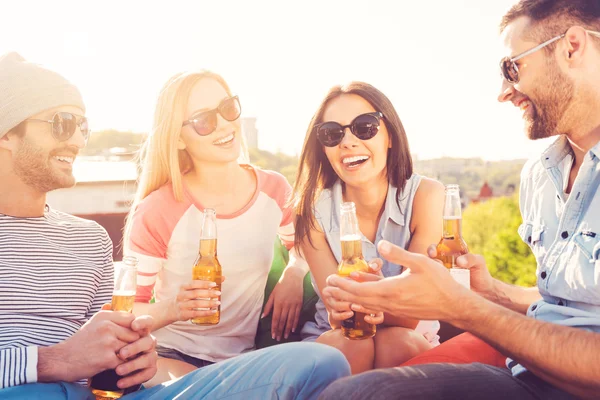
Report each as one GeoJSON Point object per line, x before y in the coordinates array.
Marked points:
{"type": "Point", "coordinates": [296, 263]}
{"type": "Point", "coordinates": [161, 312]}
{"type": "Point", "coordinates": [567, 357]}
{"type": "Point", "coordinates": [513, 297]}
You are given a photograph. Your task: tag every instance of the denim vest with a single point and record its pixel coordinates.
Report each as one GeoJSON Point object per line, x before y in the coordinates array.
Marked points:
{"type": "Point", "coordinates": [394, 226]}
{"type": "Point", "coordinates": [563, 231]}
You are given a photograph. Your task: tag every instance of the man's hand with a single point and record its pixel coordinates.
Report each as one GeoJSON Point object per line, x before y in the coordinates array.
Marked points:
{"type": "Point", "coordinates": [140, 356]}
{"type": "Point", "coordinates": [286, 302]}
{"type": "Point", "coordinates": [342, 310]}
{"type": "Point", "coordinates": [481, 280]}
{"type": "Point", "coordinates": [425, 291]}
{"type": "Point", "coordinates": [92, 349]}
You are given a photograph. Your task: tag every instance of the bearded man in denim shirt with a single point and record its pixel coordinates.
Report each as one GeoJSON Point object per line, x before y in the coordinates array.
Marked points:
{"type": "Point", "coordinates": [552, 73]}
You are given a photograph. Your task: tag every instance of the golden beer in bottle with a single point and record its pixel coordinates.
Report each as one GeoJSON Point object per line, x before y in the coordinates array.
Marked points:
{"type": "Point", "coordinates": [207, 266]}
{"type": "Point", "coordinates": [452, 245]}
{"type": "Point", "coordinates": [104, 385]}
{"type": "Point", "coordinates": [354, 328]}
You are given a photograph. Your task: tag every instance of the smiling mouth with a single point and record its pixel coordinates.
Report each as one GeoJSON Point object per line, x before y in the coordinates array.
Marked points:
{"type": "Point", "coordinates": [355, 161]}
{"type": "Point", "coordinates": [224, 140]}
{"type": "Point", "coordinates": [65, 159]}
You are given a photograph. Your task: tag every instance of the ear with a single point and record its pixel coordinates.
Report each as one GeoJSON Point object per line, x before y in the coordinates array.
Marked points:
{"type": "Point", "coordinates": [577, 44]}
{"type": "Point", "coordinates": [9, 141]}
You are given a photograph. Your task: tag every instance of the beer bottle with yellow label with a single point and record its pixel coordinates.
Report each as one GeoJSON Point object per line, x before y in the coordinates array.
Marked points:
{"type": "Point", "coordinates": [356, 327]}
{"type": "Point", "coordinates": [452, 245]}
{"type": "Point", "coordinates": [207, 266]}
{"type": "Point", "coordinates": [104, 385]}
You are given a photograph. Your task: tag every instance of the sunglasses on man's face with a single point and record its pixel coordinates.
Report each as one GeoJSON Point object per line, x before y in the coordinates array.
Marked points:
{"type": "Point", "coordinates": [364, 127]}
{"type": "Point", "coordinates": [509, 68]}
{"type": "Point", "coordinates": [64, 125]}
{"type": "Point", "coordinates": [206, 122]}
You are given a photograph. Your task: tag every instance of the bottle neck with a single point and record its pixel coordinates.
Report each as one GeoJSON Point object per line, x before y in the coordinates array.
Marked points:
{"type": "Point", "coordinates": [208, 248]}
{"type": "Point", "coordinates": [351, 247]}
{"type": "Point", "coordinates": [452, 227]}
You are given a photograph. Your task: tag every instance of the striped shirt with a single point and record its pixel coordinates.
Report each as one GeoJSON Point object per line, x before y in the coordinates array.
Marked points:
{"type": "Point", "coordinates": [56, 272]}
{"type": "Point", "coordinates": [165, 236]}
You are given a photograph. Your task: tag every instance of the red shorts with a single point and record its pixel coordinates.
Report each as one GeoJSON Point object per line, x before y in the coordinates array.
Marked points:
{"type": "Point", "coordinates": [462, 349]}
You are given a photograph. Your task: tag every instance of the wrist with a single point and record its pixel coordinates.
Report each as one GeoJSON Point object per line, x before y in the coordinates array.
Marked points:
{"type": "Point", "coordinates": [170, 311]}
{"type": "Point", "coordinates": [294, 271]}
{"type": "Point", "coordinates": [50, 366]}
{"type": "Point", "coordinates": [462, 313]}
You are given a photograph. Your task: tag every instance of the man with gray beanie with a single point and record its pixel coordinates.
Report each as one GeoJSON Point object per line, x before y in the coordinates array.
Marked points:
{"type": "Point", "coordinates": [56, 275]}
{"type": "Point", "coordinates": [56, 270]}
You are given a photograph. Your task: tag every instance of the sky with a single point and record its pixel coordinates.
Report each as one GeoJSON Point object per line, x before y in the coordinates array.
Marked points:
{"type": "Point", "coordinates": [436, 60]}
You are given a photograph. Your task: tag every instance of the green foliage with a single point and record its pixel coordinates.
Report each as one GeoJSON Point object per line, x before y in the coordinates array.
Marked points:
{"type": "Point", "coordinates": [490, 229]}
{"type": "Point", "coordinates": [471, 173]}
{"type": "Point", "coordinates": [282, 163]}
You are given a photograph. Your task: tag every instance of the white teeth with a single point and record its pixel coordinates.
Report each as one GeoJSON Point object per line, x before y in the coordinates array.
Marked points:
{"type": "Point", "coordinates": [224, 140]}
{"type": "Point", "coordinates": [348, 160]}
{"type": "Point", "coordinates": [65, 159]}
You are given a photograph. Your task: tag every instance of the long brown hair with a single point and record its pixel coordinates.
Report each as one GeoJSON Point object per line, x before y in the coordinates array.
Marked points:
{"type": "Point", "coordinates": [315, 173]}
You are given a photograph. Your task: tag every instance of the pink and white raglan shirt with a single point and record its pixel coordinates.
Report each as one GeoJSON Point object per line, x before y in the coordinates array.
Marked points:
{"type": "Point", "coordinates": [165, 238]}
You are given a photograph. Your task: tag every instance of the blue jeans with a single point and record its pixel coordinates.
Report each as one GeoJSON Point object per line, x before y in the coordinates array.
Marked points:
{"type": "Point", "coordinates": [286, 371]}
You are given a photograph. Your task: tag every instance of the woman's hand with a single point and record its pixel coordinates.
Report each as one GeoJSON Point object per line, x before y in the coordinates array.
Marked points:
{"type": "Point", "coordinates": [193, 296]}
{"type": "Point", "coordinates": [286, 302]}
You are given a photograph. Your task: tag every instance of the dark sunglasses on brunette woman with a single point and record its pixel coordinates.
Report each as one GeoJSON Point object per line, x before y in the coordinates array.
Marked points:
{"type": "Point", "coordinates": [205, 123]}
{"type": "Point", "coordinates": [364, 127]}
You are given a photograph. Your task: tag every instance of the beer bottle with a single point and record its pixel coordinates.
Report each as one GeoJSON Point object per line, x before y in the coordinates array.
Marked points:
{"type": "Point", "coordinates": [452, 244]}
{"type": "Point", "coordinates": [352, 260]}
{"type": "Point", "coordinates": [207, 266]}
{"type": "Point", "coordinates": [104, 384]}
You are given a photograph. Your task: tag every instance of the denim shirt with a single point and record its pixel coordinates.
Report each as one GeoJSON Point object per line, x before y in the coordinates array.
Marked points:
{"type": "Point", "coordinates": [394, 226]}
{"type": "Point", "coordinates": [563, 231]}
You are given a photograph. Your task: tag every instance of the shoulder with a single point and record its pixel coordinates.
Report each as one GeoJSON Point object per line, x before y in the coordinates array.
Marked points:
{"type": "Point", "coordinates": [429, 187]}
{"type": "Point", "coordinates": [273, 184]}
{"type": "Point", "coordinates": [61, 219]}
{"type": "Point", "coordinates": [79, 227]}
{"type": "Point", "coordinates": [532, 169]}
{"type": "Point", "coordinates": [161, 197]}
{"type": "Point", "coordinates": [428, 203]}
{"type": "Point", "coordinates": [270, 178]}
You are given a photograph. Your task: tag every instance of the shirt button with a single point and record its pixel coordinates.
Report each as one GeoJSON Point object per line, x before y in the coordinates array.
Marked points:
{"type": "Point", "coordinates": [543, 275]}
{"type": "Point", "coordinates": [564, 235]}
{"type": "Point", "coordinates": [533, 307]}
{"type": "Point", "coordinates": [529, 240]}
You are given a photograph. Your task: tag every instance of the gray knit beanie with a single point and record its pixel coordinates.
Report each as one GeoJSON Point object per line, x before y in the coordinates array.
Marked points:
{"type": "Point", "coordinates": [27, 89]}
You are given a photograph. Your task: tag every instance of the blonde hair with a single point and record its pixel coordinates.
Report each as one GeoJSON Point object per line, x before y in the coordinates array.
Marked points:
{"type": "Point", "coordinates": [160, 160]}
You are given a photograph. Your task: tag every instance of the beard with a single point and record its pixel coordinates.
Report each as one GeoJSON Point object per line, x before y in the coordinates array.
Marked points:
{"type": "Point", "coordinates": [550, 102]}
{"type": "Point", "coordinates": [32, 165]}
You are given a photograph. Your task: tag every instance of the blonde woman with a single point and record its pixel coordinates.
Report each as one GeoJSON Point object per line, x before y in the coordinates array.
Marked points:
{"type": "Point", "coordinates": [190, 162]}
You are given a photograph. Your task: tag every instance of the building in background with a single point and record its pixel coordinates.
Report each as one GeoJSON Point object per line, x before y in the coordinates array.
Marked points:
{"type": "Point", "coordinates": [250, 132]}
{"type": "Point", "coordinates": [485, 193]}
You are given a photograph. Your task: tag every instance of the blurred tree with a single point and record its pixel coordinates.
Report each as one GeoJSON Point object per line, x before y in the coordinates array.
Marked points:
{"type": "Point", "coordinates": [490, 229]}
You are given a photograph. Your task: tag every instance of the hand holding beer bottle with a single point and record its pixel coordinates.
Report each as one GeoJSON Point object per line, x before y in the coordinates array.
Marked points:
{"type": "Point", "coordinates": [452, 245]}
{"type": "Point", "coordinates": [104, 384]}
{"type": "Point", "coordinates": [352, 261]}
{"type": "Point", "coordinates": [207, 268]}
